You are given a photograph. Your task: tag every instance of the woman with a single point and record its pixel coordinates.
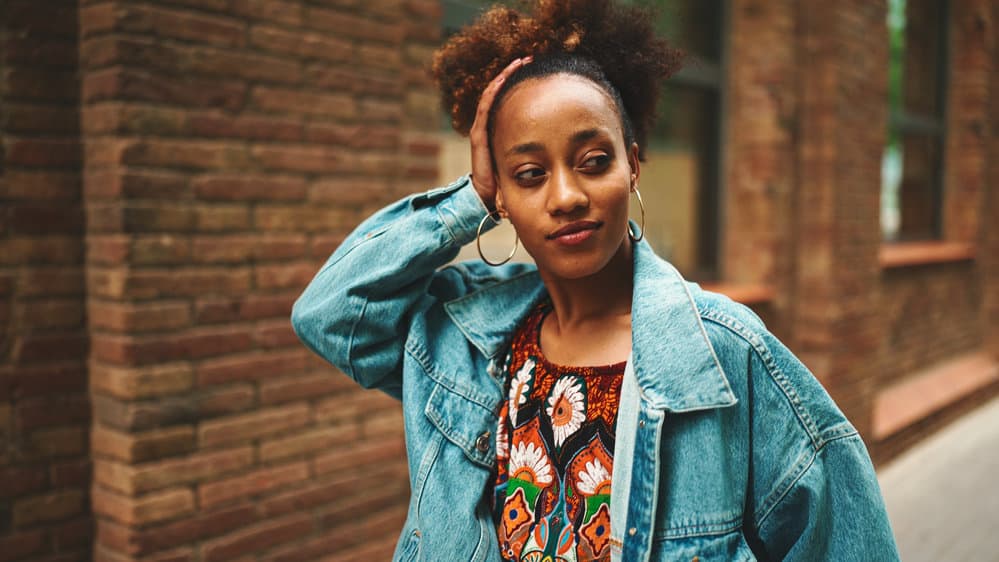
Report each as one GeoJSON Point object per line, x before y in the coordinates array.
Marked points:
{"type": "Point", "coordinates": [593, 406]}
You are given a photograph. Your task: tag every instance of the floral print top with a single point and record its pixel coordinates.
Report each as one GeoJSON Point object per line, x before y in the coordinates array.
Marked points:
{"type": "Point", "coordinates": [555, 447]}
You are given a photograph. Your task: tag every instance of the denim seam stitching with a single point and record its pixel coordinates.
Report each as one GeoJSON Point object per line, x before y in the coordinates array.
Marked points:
{"type": "Point", "coordinates": [350, 339]}
{"type": "Point", "coordinates": [773, 371]}
{"type": "Point", "coordinates": [771, 502]}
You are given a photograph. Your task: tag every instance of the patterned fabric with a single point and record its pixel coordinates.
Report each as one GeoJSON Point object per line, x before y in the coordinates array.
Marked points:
{"type": "Point", "coordinates": [554, 448]}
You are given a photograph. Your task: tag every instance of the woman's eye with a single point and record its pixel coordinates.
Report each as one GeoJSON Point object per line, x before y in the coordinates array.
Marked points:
{"type": "Point", "coordinates": [529, 175]}
{"type": "Point", "coordinates": [596, 162]}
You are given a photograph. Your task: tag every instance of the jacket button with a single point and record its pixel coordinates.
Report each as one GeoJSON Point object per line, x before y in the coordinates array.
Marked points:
{"type": "Point", "coordinates": [482, 443]}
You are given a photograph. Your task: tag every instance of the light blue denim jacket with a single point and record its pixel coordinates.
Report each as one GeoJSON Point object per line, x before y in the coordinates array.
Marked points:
{"type": "Point", "coordinates": [727, 448]}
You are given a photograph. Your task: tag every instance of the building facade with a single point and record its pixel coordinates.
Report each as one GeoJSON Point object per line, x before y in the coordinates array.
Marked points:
{"type": "Point", "coordinates": [173, 172]}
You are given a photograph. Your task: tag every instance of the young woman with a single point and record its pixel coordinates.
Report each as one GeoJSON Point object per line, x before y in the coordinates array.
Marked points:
{"type": "Point", "coordinates": [594, 406]}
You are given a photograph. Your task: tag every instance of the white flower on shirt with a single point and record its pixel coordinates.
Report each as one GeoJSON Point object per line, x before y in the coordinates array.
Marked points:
{"type": "Point", "coordinates": [566, 408]}
{"type": "Point", "coordinates": [529, 463]}
{"type": "Point", "coordinates": [520, 388]}
{"type": "Point", "coordinates": [595, 479]}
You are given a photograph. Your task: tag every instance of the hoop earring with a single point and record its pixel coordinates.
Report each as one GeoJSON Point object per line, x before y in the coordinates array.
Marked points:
{"type": "Point", "coordinates": [641, 234]}
{"type": "Point", "coordinates": [478, 241]}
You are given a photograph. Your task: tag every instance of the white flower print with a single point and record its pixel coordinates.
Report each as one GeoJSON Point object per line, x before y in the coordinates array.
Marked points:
{"type": "Point", "coordinates": [520, 387]}
{"type": "Point", "coordinates": [502, 442]}
{"type": "Point", "coordinates": [529, 463]}
{"type": "Point", "coordinates": [566, 408]}
{"type": "Point", "coordinates": [595, 479]}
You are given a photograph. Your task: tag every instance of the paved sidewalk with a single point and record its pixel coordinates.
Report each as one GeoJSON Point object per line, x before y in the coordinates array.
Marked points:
{"type": "Point", "coordinates": [943, 495]}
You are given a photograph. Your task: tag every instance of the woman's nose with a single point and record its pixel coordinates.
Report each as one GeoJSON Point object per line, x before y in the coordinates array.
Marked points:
{"type": "Point", "coordinates": [566, 195]}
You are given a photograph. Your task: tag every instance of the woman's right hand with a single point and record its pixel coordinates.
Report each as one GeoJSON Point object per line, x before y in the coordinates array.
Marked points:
{"type": "Point", "coordinates": [483, 174]}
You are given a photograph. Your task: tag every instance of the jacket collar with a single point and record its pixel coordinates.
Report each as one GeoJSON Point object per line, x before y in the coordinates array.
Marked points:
{"type": "Point", "coordinates": [676, 366]}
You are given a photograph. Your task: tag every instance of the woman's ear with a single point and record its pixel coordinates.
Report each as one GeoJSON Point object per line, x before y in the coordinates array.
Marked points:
{"type": "Point", "coordinates": [636, 168]}
{"type": "Point", "coordinates": [500, 208]}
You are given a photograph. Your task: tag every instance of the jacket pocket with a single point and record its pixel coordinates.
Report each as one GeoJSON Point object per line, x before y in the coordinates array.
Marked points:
{"type": "Point", "coordinates": [704, 548]}
{"type": "Point", "coordinates": [464, 422]}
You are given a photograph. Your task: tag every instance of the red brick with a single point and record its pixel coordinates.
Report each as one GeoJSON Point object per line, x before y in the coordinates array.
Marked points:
{"type": "Point", "coordinates": [203, 525]}
{"type": "Point", "coordinates": [50, 281]}
{"type": "Point", "coordinates": [363, 454]}
{"type": "Point", "coordinates": [40, 84]}
{"type": "Point", "coordinates": [222, 249]}
{"type": "Point", "coordinates": [253, 307]}
{"type": "Point", "coordinates": [55, 506]}
{"type": "Point", "coordinates": [155, 283]}
{"type": "Point", "coordinates": [127, 84]}
{"type": "Point", "coordinates": [297, 102]}
{"type": "Point", "coordinates": [15, 546]}
{"type": "Point", "coordinates": [150, 508]}
{"type": "Point", "coordinates": [244, 187]}
{"type": "Point", "coordinates": [147, 20]}
{"type": "Point", "coordinates": [270, 11]}
{"type": "Point", "coordinates": [49, 347]}
{"type": "Point", "coordinates": [255, 425]}
{"type": "Point", "coordinates": [21, 480]}
{"type": "Point", "coordinates": [49, 314]}
{"type": "Point", "coordinates": [108, 249]}
{"type": "Point", "coordinates": [255, 127]}
{"type": "Point", "coordinates": [162, 474]}
{"type": "Point", "coordinates": [56, 443]}
{"type": "Point", "coordinates": [192, 344]}
{"type": "Point", "coordinates": [259, 537]}
{"type": "Point", "coordinates": [138, 317]}
{"type": "Point", "coordinates": [41, 185]}
{"type": "Point", "coordinates": [71, 474]}
{"type": "Point", "coordinates": [275, 334]}
{"type": "Point", "coordinates": [283, 276]}
{"type": "Point", "coordinates": [296, 388]}
{"type": "Point", "coordinates": [41, 250]}
{"type": "Point", "coordinates": [143, 446]}
{"type": "Point", "coordinates": [304, 45]}
{"type": "Point", "coordinates": [141, 382]}
{"type": "Point", "coordinates": [223, 218]}
{"type": "Point", "coordinates": [32, 118]}
{"type": "Point", "coordinates": [300, 219]}
{"type": "Point", "coordinates": [353, 26]}
{"type": "Point", "coordinates": [43, 380]}
{"type": "Point", "coordinates": [305, 443]}
{"type": "Point", "coordinates": [52, 411]}
{"type": "Point", "coordinates": [247, 485]}
{"type": "Point", "coordinates": [226, 400]}
{"type": "Point", "coordinates": [249, 367]}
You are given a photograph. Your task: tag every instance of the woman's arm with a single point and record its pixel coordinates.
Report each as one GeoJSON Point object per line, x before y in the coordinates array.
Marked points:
{"type": "Point", "coordinates": [355, 312]}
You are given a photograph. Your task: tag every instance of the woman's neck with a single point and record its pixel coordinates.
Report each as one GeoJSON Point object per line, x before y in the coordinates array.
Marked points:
{"type": "Point", "coordinates": [596, 298]}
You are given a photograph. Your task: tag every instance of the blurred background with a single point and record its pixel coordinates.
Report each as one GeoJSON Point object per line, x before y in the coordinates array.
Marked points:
{"type": "Point", "coordinates": [173, 172]}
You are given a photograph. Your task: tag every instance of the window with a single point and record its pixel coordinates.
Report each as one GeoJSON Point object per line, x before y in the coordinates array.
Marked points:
{"type": "Point", "coordinates": [912, 167]}
{"type": "Point", "coordinates": [682, 173]}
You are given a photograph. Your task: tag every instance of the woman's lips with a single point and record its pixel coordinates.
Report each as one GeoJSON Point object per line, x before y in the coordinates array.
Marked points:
{"type": "Point", "coordinates": [575, 233]}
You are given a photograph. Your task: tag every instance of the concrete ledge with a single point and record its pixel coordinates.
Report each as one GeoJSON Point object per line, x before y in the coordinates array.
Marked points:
{"type": "Point", "coordinates": [930, 391]}
{"type": "Point", "coordinates": [747, 294]}
{"type": "Point", "coordinates": [907, 254]}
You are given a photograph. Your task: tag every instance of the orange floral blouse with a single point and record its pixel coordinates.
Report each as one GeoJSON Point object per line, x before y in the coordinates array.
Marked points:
{"type": "Point", "coordinates": [555, 447]}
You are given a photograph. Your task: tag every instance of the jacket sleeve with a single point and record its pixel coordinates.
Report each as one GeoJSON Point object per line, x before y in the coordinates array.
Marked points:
{"type": "Point", "coordinates": [355, 313]}
{"type": "Point", "coordinates": [815, 492]}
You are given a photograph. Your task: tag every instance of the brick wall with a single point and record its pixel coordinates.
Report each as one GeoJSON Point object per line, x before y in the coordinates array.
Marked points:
{"type": "Point", "coordinates": [230, 145]}
{"type": "Point", "coordinates": [44, 468]}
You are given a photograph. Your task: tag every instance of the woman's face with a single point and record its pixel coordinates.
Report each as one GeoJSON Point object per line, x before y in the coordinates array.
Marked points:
{"type": "Point", "coordinates": [564, 173]}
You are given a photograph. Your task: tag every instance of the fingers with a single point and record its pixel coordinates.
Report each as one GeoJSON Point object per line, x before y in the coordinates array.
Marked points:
{"type": "Point", "coordinates": [489, 94]}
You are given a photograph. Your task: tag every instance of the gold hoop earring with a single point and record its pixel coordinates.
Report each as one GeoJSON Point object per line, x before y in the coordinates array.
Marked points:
{"type": "Point", "coordinates": [478, 241]}
{"type": "Point", "coordinates": [641, 234]}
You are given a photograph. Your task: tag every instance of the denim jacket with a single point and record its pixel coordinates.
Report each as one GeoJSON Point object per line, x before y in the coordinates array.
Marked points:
{"type": "Point", "coordinates": [727, 448]}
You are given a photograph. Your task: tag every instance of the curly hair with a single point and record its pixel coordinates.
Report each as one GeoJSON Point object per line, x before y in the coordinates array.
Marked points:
{"type": "Point", "coordinates": [614, 45]}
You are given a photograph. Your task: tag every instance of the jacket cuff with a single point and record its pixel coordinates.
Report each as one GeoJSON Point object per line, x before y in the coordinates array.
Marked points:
{"type": "Point", "coordinates": [461, 210]}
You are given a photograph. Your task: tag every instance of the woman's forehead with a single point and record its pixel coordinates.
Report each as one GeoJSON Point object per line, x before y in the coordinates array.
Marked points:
{"type": "Point", "coordinates": [558, 103]}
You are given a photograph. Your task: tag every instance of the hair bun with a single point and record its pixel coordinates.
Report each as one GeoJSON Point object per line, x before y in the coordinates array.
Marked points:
{"type": "Point", "coordinates": [620, 39]}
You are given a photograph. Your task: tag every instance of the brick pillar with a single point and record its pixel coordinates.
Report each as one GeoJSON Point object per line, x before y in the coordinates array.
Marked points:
{"type": "Point", "coordinates": [990, 228]}
{"type": "Point", "coordinates": [44, 469]}
{"type": "Point", "coordinates": [230, 145]}
{"type": "Point", "coordinates": [759, 154]}
{"type": "Point", "coordinates": [842, 57]}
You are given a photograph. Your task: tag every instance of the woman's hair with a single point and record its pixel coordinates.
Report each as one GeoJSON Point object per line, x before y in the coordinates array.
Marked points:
{"type": "Point", "coordinates": [612, 45]}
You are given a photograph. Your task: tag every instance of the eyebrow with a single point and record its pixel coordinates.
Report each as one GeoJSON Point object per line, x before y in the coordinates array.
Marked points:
{"type": "Point", "coordinates": [578, 137]}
